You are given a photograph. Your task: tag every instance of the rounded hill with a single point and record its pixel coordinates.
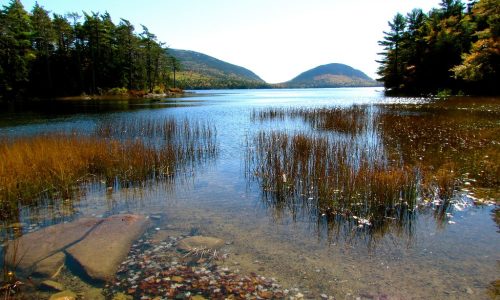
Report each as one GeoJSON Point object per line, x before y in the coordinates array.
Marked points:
{"type": "Point", "coordinates": [330, 75]}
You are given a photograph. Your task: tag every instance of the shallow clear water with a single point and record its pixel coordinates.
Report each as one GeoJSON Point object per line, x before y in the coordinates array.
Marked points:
{"type": "Point", "coordinates": [433, 259]}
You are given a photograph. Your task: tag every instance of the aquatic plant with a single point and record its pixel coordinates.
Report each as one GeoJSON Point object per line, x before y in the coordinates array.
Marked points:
{"type": "Point", "coordinates": [352, 119]}
{"type": "Point", "coordinates": [444, 140]}
{"type": "Point", "coordinates": [332, 177]}
{"type": "Point", "coordinates": [56, 165]}
{"type": "Point", "coordinates": [389, 163]}
{"type": "Point", "coordinates": [10, 285]}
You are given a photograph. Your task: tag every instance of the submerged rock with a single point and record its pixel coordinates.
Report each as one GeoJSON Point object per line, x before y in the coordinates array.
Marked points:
{"type": "Point", "coordinates": [93, 294]}
{"type": "Point", "coordinates": [199, 243]}
{"type": "Point", "coordinates": [65, 295]}
{"type": "Point", "coordinates": [33, 248]}
{"type": "Point", "coordinates": [105, 247]}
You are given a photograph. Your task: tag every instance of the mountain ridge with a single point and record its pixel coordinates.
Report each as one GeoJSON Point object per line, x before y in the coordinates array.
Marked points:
{"type": "Point", "coordinates": [201, 71]}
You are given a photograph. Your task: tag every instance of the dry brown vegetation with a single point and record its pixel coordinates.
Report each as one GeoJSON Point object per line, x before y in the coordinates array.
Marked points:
{"type": "Point", "coordinates": [443, 140]}
{"type": "Point", "coordinates": [351, 119]}
{"type": "Point", "coordinates": [56, 165]}
{"type": "Point", "coordinates": [333, 177]}
{"type": "Point", "coordinates": [408, 156]}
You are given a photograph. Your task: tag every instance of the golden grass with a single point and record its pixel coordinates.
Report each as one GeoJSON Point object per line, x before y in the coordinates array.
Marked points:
{"type": "Point", "coordinates": [390, 162]}
{"type": "Point", "coordinates": [351, 119]}
{"type": "Point", "coordinates": [445, 142]}
{"type": "Point", "coordinates": [337, 177]}
{"type": "Point", "coordinates": [56, 165]}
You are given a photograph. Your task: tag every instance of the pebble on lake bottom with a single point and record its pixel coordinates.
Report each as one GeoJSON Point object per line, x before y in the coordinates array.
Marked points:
{"type": "Point", "coordinates": [157, 269]}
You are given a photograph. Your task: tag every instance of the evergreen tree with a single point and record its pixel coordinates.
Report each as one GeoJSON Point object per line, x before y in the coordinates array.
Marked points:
{"type": "Point", "coordinates": [44, 56]}
{"type": "Point", "coordinates": [16, 53]}
{"type": "Point", "coordinates": [127, 52]}
{"type": "Point", "coordinates": [43, 37]}
{"type": "Point", "coordinates": [391, 69]}
{"type": "Point", "coordinates": [452, 47]}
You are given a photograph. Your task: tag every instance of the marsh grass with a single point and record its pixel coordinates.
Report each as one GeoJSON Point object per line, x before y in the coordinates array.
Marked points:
{"type": "Point", "coordinates": [352, 119]}
{"type": "Point", "coordinates": [57, 165]}
{"type": "Point", "coordinates": [392, 162]}
{"type": "Point", "coordinates": [451, 144]}
{"type": "Point", "coordinates": [331, 177]}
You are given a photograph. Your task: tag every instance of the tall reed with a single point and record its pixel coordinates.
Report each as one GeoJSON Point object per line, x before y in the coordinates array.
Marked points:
{"type": "Point", "coordinates": [57, 164]}
{"type": "Point", "coordinates": [390, 162]}
{"type": "Point", "coordinates": [332, 177]}
{"type": "Point", "coordinates": [352, 119]}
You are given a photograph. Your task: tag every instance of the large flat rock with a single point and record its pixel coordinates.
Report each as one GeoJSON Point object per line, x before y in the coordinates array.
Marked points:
{"type": "Point", "coordinates": [107, 245]}
{"type": "Point", "coordinates": [33, 248]}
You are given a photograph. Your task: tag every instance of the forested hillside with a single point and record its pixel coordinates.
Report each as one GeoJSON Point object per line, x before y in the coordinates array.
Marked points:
{"type": "Point", "coordinates": [452, 49]}
{"type": "Point", "coordinates": [200, 71]}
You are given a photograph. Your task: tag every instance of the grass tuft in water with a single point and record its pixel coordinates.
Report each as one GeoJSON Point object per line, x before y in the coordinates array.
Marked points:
{"type": "Point", "coordinates": [332, 177]}
{"type": "Point", "coordinates": [352, 120]}
{"type": "Point", "coordinates": [389, 163]}
{"type": "Point", "coordinates": [57, 165]}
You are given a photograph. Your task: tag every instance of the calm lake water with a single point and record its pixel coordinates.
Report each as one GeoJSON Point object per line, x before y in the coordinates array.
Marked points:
{"type": "Point", "coordinates": [431, 257]}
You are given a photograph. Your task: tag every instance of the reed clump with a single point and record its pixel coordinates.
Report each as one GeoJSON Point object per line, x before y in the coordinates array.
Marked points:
{"type": "Point", "coordinates": [331, 177]}
{"type": "Point", "coordinates": [56, 165]}
{"type": "Point", "coordinates": [352, 120]}
{"type": "Point", "coordinates": [391, 162]}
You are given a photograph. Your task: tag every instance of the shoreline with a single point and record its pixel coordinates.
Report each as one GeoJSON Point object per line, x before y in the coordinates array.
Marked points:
{"type": "Point", "coordinates": [132, 95]}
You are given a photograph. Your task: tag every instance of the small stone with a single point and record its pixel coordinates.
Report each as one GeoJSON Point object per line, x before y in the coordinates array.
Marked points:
{"type": "Point", "coordinates": [65, 295]}
{"type": "Point", "coordinates": [323, 296]}
{"type": "Point", "coordinates": [50, 285]}
{"type": "Point", "coordinates": [265, 294]}
{"type": "Point", "coordinates": [469, 291]}
{"type": "Point", "coordinates": [93, 294]}
{"type": "Point", "coordinates": [200, 242]}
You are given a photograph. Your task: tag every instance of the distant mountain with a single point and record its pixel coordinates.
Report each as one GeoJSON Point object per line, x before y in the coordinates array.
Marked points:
{"type": "Point", "coordinates": [328, 76]}
{"type": "Point", "coordinates": [200, 71]}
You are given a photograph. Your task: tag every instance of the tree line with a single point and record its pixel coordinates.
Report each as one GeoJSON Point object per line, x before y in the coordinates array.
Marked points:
{"type": "Point", "coordinates": [44, 55]}
{"type": "Point", "coordinates": [453, 48]}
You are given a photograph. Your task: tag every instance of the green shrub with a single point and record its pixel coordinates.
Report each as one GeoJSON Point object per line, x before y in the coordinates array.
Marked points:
{"type": "Point", "coordinates": [117, 91]}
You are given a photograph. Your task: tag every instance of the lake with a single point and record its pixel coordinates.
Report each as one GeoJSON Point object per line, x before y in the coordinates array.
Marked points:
{"type": "Point", "coordinates": [400, 202]}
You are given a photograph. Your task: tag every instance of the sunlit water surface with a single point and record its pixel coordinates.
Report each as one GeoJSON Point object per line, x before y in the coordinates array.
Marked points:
{"type": "Point", "coordinates": [434, 259]}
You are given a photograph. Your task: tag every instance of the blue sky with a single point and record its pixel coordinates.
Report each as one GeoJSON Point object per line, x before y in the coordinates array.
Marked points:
{"type": "Point", "coordinates": [277, 39]}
